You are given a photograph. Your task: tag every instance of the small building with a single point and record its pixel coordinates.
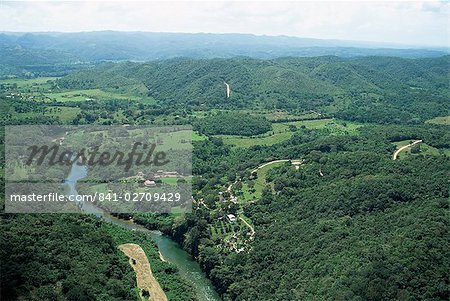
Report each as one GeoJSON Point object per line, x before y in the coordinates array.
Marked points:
{"type": "Point", "coordinates": [296, 164]}
{"type": "Point", "coordinates": [231, 218]}
{"type": "Point", "coordinates": [170, 174]}
{"type": "Point", "coordinates": [149, 183]}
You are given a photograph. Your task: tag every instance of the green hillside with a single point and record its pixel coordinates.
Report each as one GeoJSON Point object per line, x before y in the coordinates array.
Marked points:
{"type": "Point", "coordinates": [360, 89]}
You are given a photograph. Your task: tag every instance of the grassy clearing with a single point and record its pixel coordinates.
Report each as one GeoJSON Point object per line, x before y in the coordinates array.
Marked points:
{"type": "Point", "coordinates": [39, 89]}
{"type": "Point", "coordinates": [402, 143]}
{"type": "Point", "coordinates": [174, 141]}
{"type": "Point", "coordinates": [282, 132]}
{"type": "Point", "coordinates": [277, 115]}
{"type": "Point", "coordinates": [252, 190]}
{"type": "Point", "coordinates": [170, 181]}
{"type": "Point", "coordinates": [269, 114]}
{"type": "Point", "coordinates": [19, 172]}
{"type": "Point", "coordinates": [25, 83]}
{"type": "Point", "coordinates": [279, 133]}
{"type": "Point", "coordinates": [96, 94]}
{"type": "Point", "coordinates": [311, 124]}
{"type": "Point", "coordinates": [67, 113]}
{"type": "Point", "coordinates": [424, 149]}
{"type": "Point", "coordinates": [440, 120]}
{"type": "Point", "coordinates": [198, 137]}
{"type": "Point", "coordinates": [335, 126]}
{"type": "Point", "coordinates": [177, 140]}
{"type": "Point", "coordinates": [177, 211]}
{"type": "Point", "coordinates": [63, 113]}
{"type": "Point", "coordinates": [248, 142]}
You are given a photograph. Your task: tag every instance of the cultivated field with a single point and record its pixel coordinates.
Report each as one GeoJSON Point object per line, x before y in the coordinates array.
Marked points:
{"type": "Point", "coordinates": [149, 288]}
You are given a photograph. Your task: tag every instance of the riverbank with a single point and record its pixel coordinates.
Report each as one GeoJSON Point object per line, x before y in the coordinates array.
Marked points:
{"type": "Point", "coordinates": [146, 283]}
{"type": "Point", "coordinates": [187, 267]}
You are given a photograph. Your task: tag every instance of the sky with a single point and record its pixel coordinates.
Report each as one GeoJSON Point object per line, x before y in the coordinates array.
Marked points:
{"type": "Point", "coordinates": [422, 23]}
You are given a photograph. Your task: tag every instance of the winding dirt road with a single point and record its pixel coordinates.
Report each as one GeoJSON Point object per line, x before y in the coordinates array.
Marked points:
{"type": "Point", "coordinates": [268, 163]}
{"type": "Point", "coordinates": [395, 155]}
{"type": "Point", "coordinates": [234, 199]}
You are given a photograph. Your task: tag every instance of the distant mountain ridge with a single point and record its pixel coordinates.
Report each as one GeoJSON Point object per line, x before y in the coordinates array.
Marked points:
{"type": "Point", "coordinates": [110, 45]}
{"type": "Point", "coordinates": [57, 54]}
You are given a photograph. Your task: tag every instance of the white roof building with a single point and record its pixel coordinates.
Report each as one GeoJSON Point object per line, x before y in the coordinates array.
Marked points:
{"type": "Point", "coordinates": [231, 217]}
{"type": "Point", "coordinates": [149, 183]}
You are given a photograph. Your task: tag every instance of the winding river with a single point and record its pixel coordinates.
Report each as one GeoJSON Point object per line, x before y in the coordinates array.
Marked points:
{"type": "Point", "coordinates": [170, 250]}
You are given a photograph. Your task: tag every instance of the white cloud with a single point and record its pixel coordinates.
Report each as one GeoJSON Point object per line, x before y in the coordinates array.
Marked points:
{"type": "Point", "coordinates": [418, 22]}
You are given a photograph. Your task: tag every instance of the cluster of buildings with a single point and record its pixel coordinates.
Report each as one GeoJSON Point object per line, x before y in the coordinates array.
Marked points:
{"type": "Point", "coordinates": [151, 178]}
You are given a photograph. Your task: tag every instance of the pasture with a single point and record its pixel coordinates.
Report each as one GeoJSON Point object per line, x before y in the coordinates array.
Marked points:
{"type": "Point", "coordinates": [445, 120]}
{"type": "Point", "coordinates": [283, 131]}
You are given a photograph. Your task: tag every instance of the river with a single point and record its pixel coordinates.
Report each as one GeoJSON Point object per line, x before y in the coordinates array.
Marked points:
{"type": "Point", "coordinates": [170, 250]}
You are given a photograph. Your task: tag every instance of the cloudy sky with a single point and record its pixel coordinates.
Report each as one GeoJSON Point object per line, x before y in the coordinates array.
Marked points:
{"type": "Point", "coordinates": [403, 22]}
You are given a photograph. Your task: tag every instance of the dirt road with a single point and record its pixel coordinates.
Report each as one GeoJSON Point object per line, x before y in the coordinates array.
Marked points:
{"type": "Point", "coordinates": [268, 163]}
{"type": "Point", "coordinates": [252, 230]}
{"type": "Point", "coordinates": [395, 155]}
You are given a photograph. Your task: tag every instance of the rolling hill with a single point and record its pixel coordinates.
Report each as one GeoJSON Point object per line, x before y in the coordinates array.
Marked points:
{"type": "Point", "coordinates": [413, 89]}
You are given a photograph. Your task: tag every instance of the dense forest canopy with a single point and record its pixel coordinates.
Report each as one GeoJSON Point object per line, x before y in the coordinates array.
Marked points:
{"type": "Point", "coordinates": [66, 256]}
{"type": "Point", "coordinates": [233, 123]}
{"type": "Point", "coordinates": [74, 257]}
{"type": "Point", "coordinates": [351, 224]}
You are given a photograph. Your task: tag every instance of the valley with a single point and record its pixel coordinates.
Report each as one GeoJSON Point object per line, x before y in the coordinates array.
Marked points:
{"type": "Point", "coordinates": [317, 182]}
{"type": "Point", "coordinates": [224, 150]}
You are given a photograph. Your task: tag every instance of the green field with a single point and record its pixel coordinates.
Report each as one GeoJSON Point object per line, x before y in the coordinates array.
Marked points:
{"type": "Point", "coordinates": [198, 137]}
{"type": "Point", "coordinates": [277, 115]}
{"type": "Point", "coordinates": [96, 94]}
{"type": "Point", "coordinates": [170, 181]}
{"type": "Point", "coordinates": [402, 143]}
{"type": "Point", "coordinates": [26, 83]}
{"type": "Point", "coordinates": [63, 113]}
{"type": "Point", "coordinates": [281, 132]}
{"type": "Point", "coordinates": [425, 150]}
{"type": "Point", "coordinates": [41, 89]}
{"type": "Point", "coordinates": [252, 190]}
{"type": "Point", "coordinates": [440, 120]}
